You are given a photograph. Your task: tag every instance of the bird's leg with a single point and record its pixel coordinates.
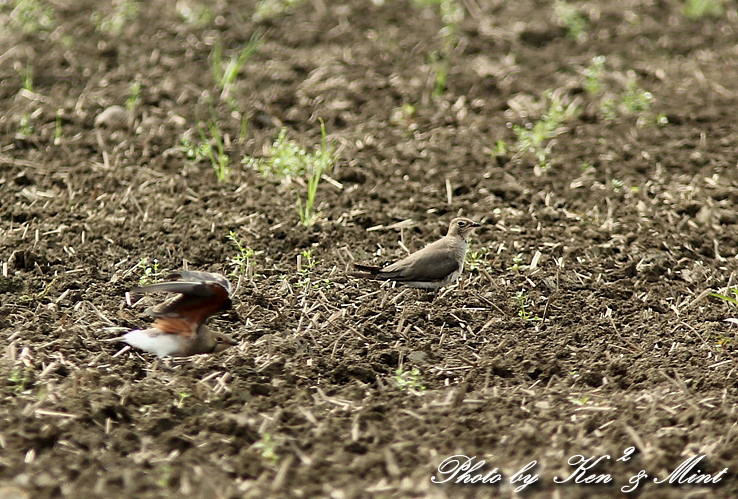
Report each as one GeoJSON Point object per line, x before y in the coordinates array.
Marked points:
{"type": "Point", "coordinates": [163, 366]}
{"type": "Point", "coordinates": [427, 294]}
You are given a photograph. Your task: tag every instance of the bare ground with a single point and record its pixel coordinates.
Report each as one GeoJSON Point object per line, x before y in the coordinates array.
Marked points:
{"type": "Point", "coordinates": [583, 324]}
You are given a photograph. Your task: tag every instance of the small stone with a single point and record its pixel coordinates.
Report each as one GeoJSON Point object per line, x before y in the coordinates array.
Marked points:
{"type": "Point", "coordinates": [113, 117]}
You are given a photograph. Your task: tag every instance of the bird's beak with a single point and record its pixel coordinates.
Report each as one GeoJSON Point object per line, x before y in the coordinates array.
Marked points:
{"type": "Point", "coordinates": [476, 224]}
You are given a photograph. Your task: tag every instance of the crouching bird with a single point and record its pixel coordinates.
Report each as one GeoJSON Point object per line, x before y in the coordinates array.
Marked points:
{"type": "Point", "coordinates": [179, 328]}
{"type": "Point", "coordinates": [438, 264]}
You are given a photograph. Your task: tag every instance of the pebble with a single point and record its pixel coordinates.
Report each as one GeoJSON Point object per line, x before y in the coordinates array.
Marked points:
{"type": "Point", "coordinates": [113, 117]}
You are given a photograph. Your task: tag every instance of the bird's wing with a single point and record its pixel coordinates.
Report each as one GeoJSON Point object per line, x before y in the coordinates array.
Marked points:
{"type": "Point", "coordinates": [427, 265]}
{"type": "Point", "coordinates": [180, 326]}
{"type": "Point", "coordinates": [193, 288]}
{"type": "Point", "coordinates": [193, 275]}
{"type": "Point", "coordinates": [200, 295]}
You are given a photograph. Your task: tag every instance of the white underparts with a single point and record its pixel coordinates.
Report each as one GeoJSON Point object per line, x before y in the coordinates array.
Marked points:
{"type": "Point", "coordinates": [153, 341]}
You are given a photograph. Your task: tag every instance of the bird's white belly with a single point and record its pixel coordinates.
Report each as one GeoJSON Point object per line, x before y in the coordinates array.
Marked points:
{"type": "Point", "coordinates": [158, 344]}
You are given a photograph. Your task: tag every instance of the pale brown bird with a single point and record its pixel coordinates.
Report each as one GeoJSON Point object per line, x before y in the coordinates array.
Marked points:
{"type": "Point", "coordinates": [438, 264]}
{"type": "Point", "coordinates": [179, 328]}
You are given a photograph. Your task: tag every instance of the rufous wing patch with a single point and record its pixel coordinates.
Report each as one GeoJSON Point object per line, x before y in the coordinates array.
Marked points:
{"type": "Point", "coordinates": [176, 325]}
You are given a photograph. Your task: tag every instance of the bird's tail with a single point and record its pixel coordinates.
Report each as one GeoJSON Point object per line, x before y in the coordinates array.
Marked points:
{"type": "Point", "coordinates": [366, 272]}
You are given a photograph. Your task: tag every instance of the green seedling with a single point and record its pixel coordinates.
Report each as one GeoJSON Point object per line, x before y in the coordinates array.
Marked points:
{"type": "Point", "coordinates": [322, 284]}
{"type": "Point", "coordinates": [242, 261]}
{"type": "Point", "coordinates": [305, 267]}
{"type": "Point", "coordinates": [243, 130]}
{"type": "Point", "coordinates": [609, 108]}
{"type": "Point", "coordinates": [323, 159]}
{"type": "Point", "coordinates": [19, 379]}
{"type": "Point", "coordinates": [405, 380]}
{"type": "Point", "coordinates": [629, 100]}
{"type": "Point", "coordinates": [164, 473]}
{"type": "Point", "coordinates": [25, 126]}
{"type": "Point", "coordinates": [593, 75]}
{"type": "Point", "coordinates": [439, 67]}
{"type": "Point", "coordinates": [535, 138]}
{"type": "Point", "coordinates": [194, 151]}
{"type": "Point", "coordinates": [225, 76]}
{"type": "Point", "coordinates": [500, 148]}
{"type": "Point", "coordinates": [523, 313]}
{"type": "Point", "coordinates": [30, 16]}
{"type": "Point", "coordinates": [150, 272]}
{"type": "Point", "coordinates": [181, 397]}
{"type": "Point", "coordinates": [723, 341]}
{"type": "Point", "coordinates": [287, 160]}
{"type": "Point", "coordinates": [134, 95]}
{"type": "Point", "coordinates": [307, 262]}
{"type": "Point", "coordinates": [571, 19]}
{"type": "Point", "coordinates": [307, 282]}
{"type": "Point", "coordinates": [579, 400]}
{"type": "Point", "coordinates": [58, 128]}
{"type": "Point", "coordinates": [477, 259]}
{"type": "Point", "coordinates": [517, 262]}
{"type": "Point", "coordinates": [403, 116]}
{"type": "Point", "coordinates": [728, 298]}
{"type": "Point", "coordinates": [586, 167]}
{"type": "Point", "coordinates": [451, 13]}
{"type": "Point", "coordinates": [219, 160]}
{"type": "Point", "coordinates": [268, 448]}
{"type": "Point", "coordinates": [634, 99]}
{"type": "Point", "coordinates": [124, 11]}
{"type": "Point", "coordinates": [195, 14]}
{"type": "Point", "coordinates": [26, 75]}
{"type": "Point", "coordinates": [305, 208]}
{"type": "Point", "coordinates": [41, 294]}
{"type": "Point", "coordinates": [268, 9]}
{"type": "Point", "coordinates": [697, 9]}
{"type": "Point", "coordinates": [441, 71]}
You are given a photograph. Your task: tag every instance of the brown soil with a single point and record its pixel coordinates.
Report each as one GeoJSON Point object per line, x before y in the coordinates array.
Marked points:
{"type": "Point", "coordinates": [630, 219]}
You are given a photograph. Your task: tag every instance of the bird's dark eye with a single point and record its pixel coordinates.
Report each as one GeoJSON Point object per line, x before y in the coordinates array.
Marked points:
{"type": "Point", "coordinates": [218, 339]}
{"type": "Point", "coordinates": [460, 224]}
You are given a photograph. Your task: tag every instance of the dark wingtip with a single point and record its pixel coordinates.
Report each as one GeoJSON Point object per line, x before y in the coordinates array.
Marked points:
{"type": "Point", "coordinates": [373, 269]}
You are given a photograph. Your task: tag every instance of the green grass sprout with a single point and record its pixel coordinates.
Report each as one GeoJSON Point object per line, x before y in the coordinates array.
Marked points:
{"type": "Point", "coordinates": [219, 160]}
{"type": "Point", "coordinates": [405, 380]}
{"type": "Point", "coordinates": [286, 161]}
{"type": "Point", "coordinates": [242, 261]}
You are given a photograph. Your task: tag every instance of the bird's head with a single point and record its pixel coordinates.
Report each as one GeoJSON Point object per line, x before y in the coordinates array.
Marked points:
{"type": "Point", "coordinates": [221, 342]}
{"type": "Point", "coordinates": [462, 227]}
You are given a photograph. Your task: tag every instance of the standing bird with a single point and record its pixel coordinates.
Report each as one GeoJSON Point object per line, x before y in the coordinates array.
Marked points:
{"type": "Point", "coordinates": [179, 328]}
{"type": "Point", "coordinates": [438, 264]}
